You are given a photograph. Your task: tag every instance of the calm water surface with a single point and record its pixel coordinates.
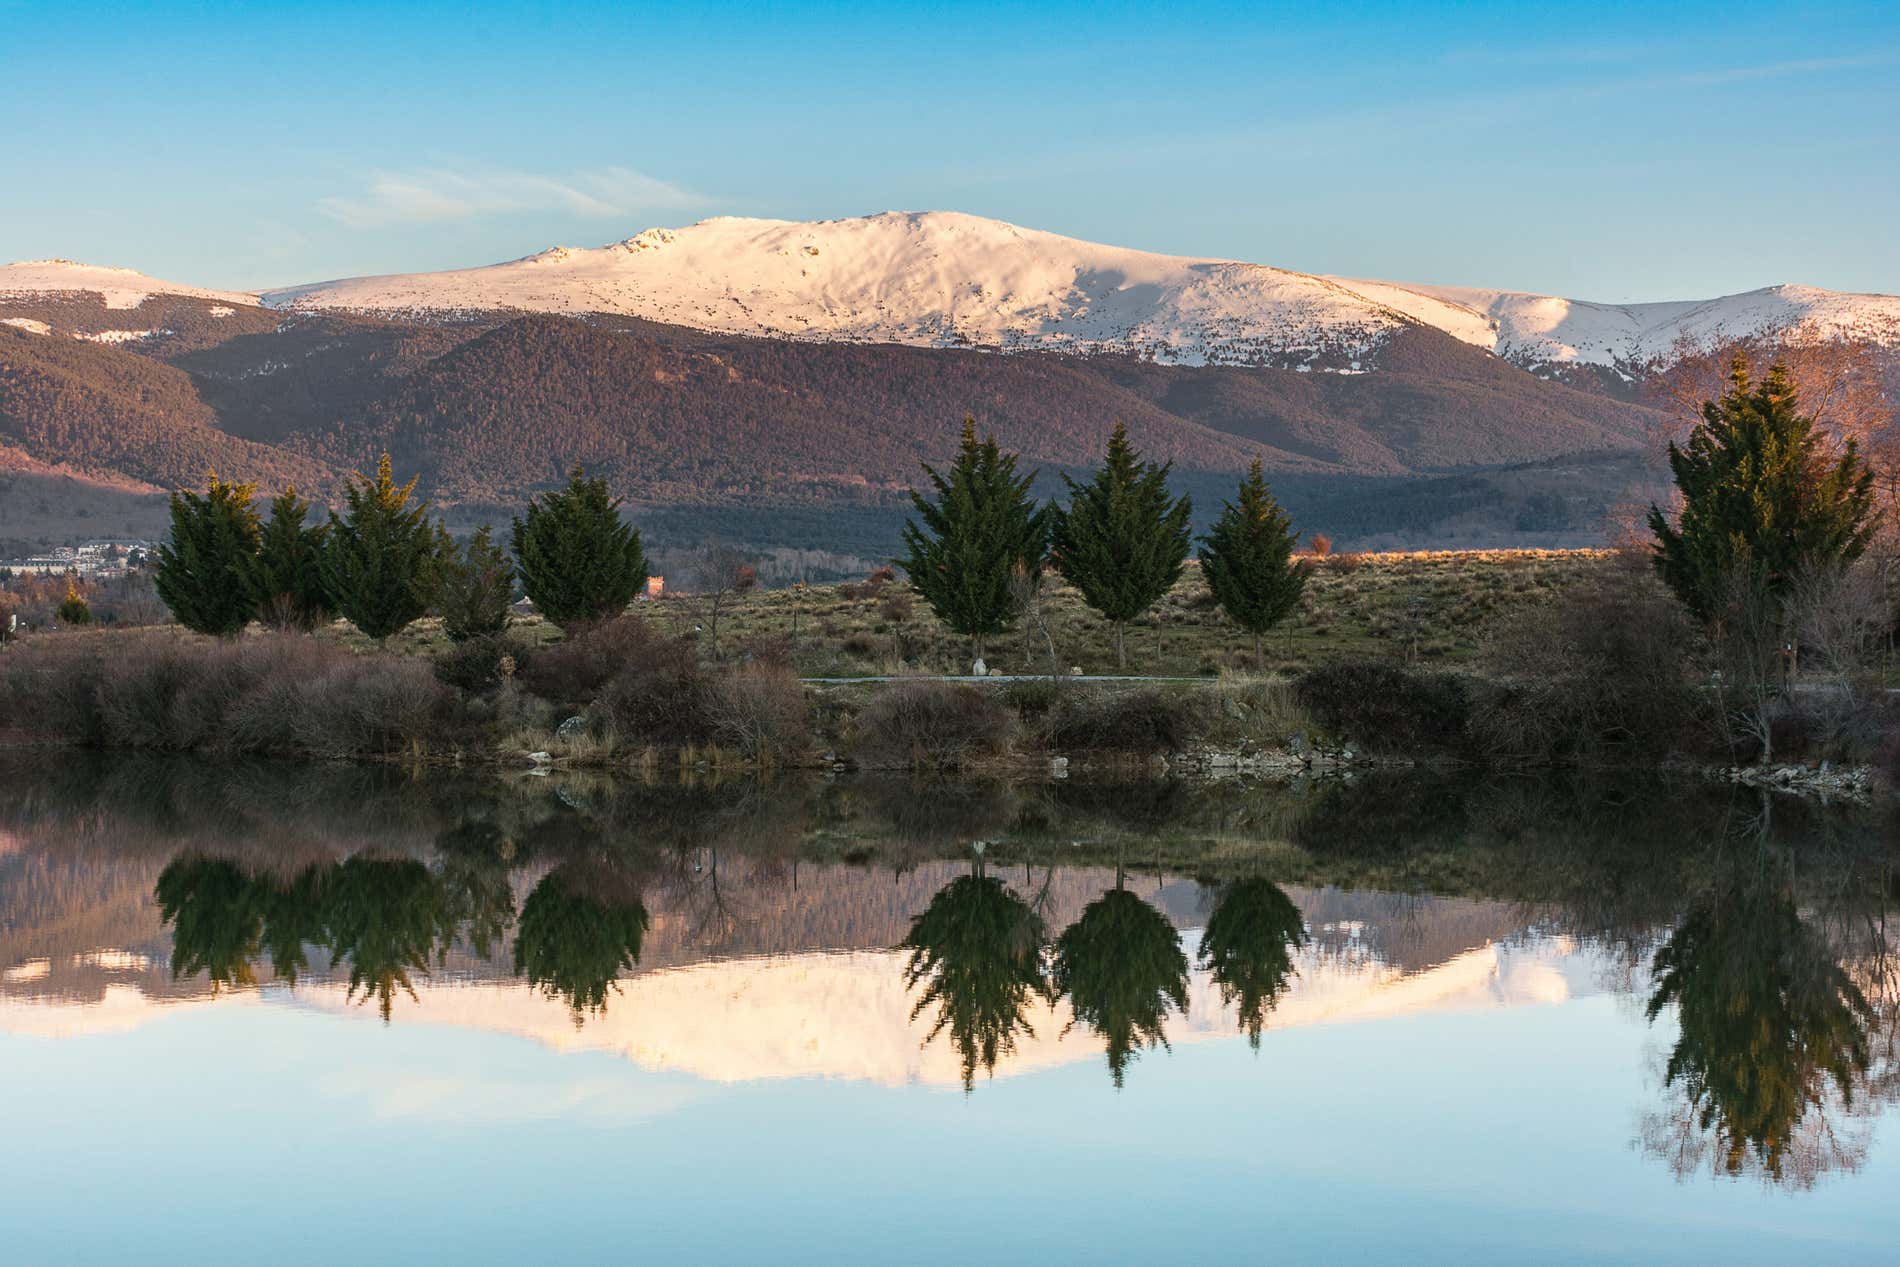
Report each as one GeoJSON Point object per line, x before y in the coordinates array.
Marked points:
{"type": "Point", "coordinates": [261, 1014]}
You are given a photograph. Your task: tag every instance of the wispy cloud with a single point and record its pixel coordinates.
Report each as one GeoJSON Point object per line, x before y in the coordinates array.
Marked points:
{"type": "Point", "coordinates": [431, 194]}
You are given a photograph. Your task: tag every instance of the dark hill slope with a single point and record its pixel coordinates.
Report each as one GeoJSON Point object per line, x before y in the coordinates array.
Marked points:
{"type": "Point", "coordinates": [516, 407]}
{"type": "Point", "coordinates": [103, 411]}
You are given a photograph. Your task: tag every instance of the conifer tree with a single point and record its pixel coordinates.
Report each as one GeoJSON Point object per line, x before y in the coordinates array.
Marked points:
{"type": "Point", "coordinates": [476, 589]}
{"type": "Point", "coordinates": [72, 609]}
{"type": "Point", "coordinates": [1122, 539]}
{"type": "Point", "coordinates": [1764, 503]}
{"type": "Point", "coordinates": [1247, 558]}
{"type": "Point", "coordinates": [578, 559]}
{"type": "Point", "coordinates": [963, 549]}
{"type": "Point", "coordinates": [379, 564]}
{"type": "Point", "coordinates": [285, 577]}
{"type": "Point", "coordinates": [201, 569]}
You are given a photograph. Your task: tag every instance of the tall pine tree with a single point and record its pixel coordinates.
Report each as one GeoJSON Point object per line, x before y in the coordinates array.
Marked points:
{"type": "Point", "coordinates": [1122, 539]}
{"type": "Point", "coordinates": [1247, 558]}
{"type": "Point", "coordinates": [285, 576]}
{"type": "Point", "coordinates": [578, 560]}
{"type": "Point", "coordinates": [1763, 501]}
{"type": "Point", "coordinates": [379, 564]}
{"type": "Point", "coordinates": [201, 569]}
{"type": "Point", "coordinates": [963, 549]}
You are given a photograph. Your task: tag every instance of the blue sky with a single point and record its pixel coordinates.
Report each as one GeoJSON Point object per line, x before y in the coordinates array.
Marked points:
{"type": "Point", "coordinates": [1602, 151]}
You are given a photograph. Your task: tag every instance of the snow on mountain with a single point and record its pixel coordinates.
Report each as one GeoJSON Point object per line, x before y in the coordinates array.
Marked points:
{"type": "Point", "coordinates": [1538, 330]}
{"type": "Point", "coordinates": [931, 278]}
{"type": "Point", "coordinates": [944, 279]}
{"type": "Point", "coordinates": [118, 287]}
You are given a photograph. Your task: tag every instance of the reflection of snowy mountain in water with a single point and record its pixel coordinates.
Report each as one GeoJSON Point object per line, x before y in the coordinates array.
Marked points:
{"type": "Point", "coordinates": [801, 981]}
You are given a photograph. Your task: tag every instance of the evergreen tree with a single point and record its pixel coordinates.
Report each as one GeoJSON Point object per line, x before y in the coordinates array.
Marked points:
{"type": "Point", "coordinates": [964, 548]}
{"type": "Point", "coordinates": [285, 577]}
{"type": "Point", "coordinates": [578, 559]}
{"type": "Point", "coordinates": [73, 609]}
{"type": "Point", "coordinates": [476, 588]}
{"type": "Point", "coordinates": [1247, 558]}
{"type": "Point", "coordinates": [1122, 539]}
{"type": "Point", "coordinates": [201, 569]}
{"type": "Point", "coordinates": [1763, 501]}
{"type": "Point", "coordinates": [379, 564]}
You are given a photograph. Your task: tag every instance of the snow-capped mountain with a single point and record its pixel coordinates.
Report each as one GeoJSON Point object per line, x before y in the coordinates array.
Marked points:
{"type": "Point", "coordinates": [947, 279]}
{"type": "Point", "coordinates": [117, 287]}
{"type": "Point", "coordinates": [1543, 330]}
{"type": "Point", "coordinates": [944, 279]}
{"type": "Point", "coordinates": [931, 279]}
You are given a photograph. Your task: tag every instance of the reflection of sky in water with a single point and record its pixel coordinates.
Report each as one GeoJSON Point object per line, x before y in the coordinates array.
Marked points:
{"type": "Point", "coordinates": [1491, 1134]}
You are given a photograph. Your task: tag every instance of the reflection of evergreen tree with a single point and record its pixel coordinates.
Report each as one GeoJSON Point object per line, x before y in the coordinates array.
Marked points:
{"type": "Point", "coordinates": [387, 919]}
{"type": "Point", "coordinates": [476, 859]}
{"type": "Point", "coordinates": [216, 924]}
{"type": "Point", "coordinates": [1767, 1020]}
{"type": "Point", "coordinates": [573, 944]}
{"type": "Point", "coordinates": [980, 947]}
{"type": "Point", "coordinates": [1248, 946]}
{"type": "Point", "coordinates": [1122, 968]}
{"type": "Point", "coordinates": [294, 916]}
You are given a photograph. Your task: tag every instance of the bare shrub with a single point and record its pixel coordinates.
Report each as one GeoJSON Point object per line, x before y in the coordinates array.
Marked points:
{"type": "Point", "coordinates": [1383, 705]}
{"type": "Point", "coordinates": [931, 724]}
{"type": "Point", "coordinates": [368, 704]}
{"type": "Point", "coordinates": [1345, 564]}
{"type": "Point", "coordinates": [897, 606]}
{"type": "Point", "coordinates": [572, 672]}
{"type": "Point", "coordinates": [281, 694]}
{"type": "Point", "coordinates": [759, 710]}
{"type": "Point", "coordinates": [1146, 720]}
{"type": "Point", "coordinates": [51, 686]}
{"type": "Point", "coordinates": [1605, 666]}
{"type": "Point", "coordinates": [658, 697]}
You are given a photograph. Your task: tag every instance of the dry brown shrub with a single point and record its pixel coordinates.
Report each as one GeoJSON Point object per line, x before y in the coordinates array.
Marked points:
{"type": "Point", "coordinates": [931, 724]}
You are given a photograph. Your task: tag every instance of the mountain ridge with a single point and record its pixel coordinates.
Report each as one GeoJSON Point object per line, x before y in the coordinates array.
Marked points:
{"type": "Point", "coordinates": [949, 279]}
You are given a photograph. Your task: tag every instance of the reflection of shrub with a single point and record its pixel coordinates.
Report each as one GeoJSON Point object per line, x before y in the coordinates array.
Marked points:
{"type": "Point", "coordinates": [1145, 720]}
{"type": "Point", "coordinates": [1385, 706]}
{"type": "Point", "coordinates": [931, 724]}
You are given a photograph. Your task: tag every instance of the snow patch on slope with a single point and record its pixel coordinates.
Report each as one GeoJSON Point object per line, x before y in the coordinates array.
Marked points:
{"type": "Point", "coordinates": [118, 287]}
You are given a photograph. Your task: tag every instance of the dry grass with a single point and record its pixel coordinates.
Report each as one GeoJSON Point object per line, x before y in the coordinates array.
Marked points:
{"type": "Point", "coordinates": [1420, 607]}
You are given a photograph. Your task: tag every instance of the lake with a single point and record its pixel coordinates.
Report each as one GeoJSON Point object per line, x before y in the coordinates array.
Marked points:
{"type": "Point", "coordinates": [264, 1013]}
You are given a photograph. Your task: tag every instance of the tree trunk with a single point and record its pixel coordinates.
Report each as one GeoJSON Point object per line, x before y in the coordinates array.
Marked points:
{"type": "Point", "coordinates": [1121, 651]}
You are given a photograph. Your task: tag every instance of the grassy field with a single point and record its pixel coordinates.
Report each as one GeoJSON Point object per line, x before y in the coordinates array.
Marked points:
{"type": "Point", "coordinates": [1428, 608]}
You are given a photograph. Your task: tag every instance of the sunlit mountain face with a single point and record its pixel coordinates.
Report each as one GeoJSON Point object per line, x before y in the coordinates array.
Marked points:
{"type": "Point", "coordinates": [573, 967]}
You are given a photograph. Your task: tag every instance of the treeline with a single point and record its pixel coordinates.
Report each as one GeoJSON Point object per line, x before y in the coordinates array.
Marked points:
{"type": "Point", "coordinates": [381, 564]}
{"type": "Point", "coordinates": [978, 551]}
